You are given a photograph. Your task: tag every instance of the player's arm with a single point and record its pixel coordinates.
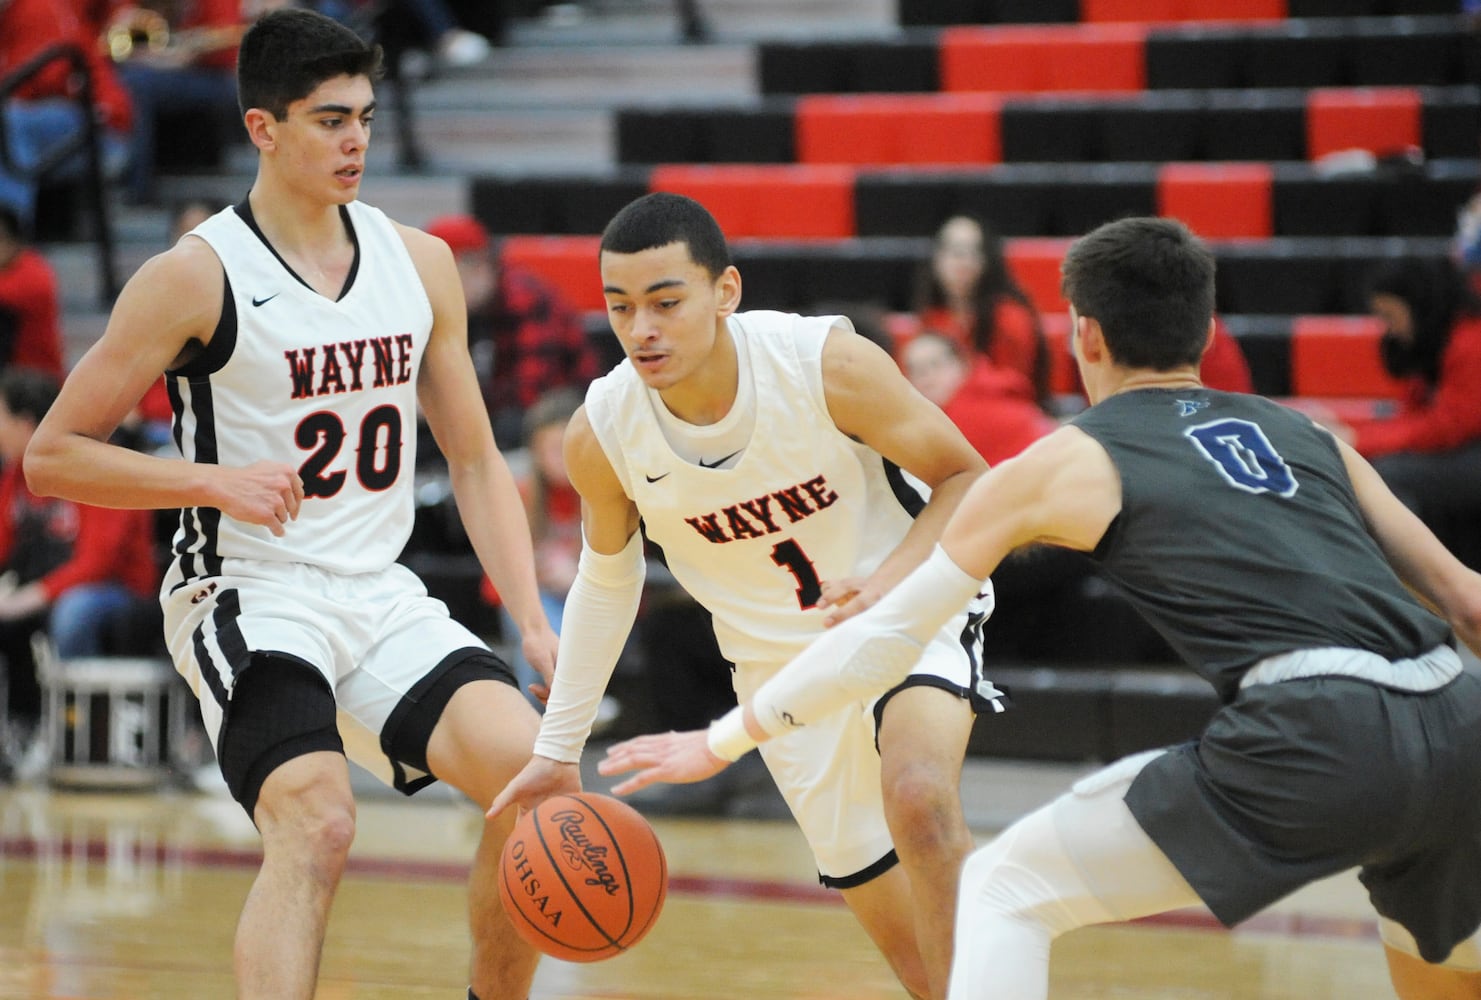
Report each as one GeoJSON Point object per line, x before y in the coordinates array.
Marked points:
{"type": "Point", "coordinates": [1421, 560]}
{"type": "Point", "coordinates": [600, 610]}
{"type": "Point", "coordinates": [167, 310]}
{"type": "Point", "coordinates": [1062, 490]}
{"type": "Point", "coordinates": [487, 493]}
{"type": "Point", "coordinates": [871, 401]}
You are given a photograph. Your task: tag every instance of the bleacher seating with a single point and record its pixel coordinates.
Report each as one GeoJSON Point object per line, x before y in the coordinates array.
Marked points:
{"type": "Point", "coordinates": [1307, 140]}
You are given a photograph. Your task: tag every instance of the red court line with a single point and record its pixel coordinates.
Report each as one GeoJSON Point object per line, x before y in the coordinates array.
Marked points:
{"type": "Point", "coordinates": [712, 886]}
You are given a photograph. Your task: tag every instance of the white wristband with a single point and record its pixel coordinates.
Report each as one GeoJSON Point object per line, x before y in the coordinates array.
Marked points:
{"type": "Point", "coordinates": [727, 737]}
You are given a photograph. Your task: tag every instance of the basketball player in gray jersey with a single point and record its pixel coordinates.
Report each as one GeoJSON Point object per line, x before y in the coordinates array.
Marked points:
{"type": "Point", "coordinates": [1277, 562]}
{"type": "Point", "coordinates": [299, 333]}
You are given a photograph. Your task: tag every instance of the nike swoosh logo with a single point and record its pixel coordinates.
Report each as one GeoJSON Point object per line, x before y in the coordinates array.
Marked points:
{"type": "Point", "coordinates": [262, 302]}
{"type": "Point", "coordinates": [715, 465]}
{"type": "Point", "coordinates": [653, 479]}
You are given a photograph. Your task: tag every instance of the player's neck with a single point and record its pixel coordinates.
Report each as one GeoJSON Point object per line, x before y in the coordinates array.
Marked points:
{"type": "Point", "coordinates": [293, 222]}
{"type": "Point", "coordinates": [1177, 378]}
{"type": "Point", "coordinates": [706, 395]}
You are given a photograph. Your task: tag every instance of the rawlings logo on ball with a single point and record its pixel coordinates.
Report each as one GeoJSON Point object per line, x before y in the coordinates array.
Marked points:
{"type": "Point", "coordinates": [580, 853]}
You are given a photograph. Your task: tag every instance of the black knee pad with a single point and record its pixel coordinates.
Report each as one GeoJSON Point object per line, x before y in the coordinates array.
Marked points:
{"type": "Point", "coordinates": [406, 733]}
{"type": "Point", "coordinates": [280, 708]}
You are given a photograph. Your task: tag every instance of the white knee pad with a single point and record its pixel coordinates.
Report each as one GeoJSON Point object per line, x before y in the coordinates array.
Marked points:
{"type": "Point", "coordinates": [1466, 956]}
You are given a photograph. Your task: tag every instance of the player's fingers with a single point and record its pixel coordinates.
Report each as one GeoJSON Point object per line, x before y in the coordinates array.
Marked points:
{"type": "Point", "coordinates": [636, 783]}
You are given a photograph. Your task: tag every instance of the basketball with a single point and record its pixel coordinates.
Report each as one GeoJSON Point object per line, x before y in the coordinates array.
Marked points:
{"type": "Point", "coordinates": [583, 877]}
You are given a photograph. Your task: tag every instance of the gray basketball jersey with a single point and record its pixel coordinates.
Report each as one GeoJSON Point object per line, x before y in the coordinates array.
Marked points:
{"type": "Point", "coordinates": [1267, 491]}
{"type": "Point", "coordinates": [326, 386]}
{"type": "Point", "coordinates": [804, 503]}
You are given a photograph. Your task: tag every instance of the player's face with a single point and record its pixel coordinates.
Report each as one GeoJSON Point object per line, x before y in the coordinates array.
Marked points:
{"type": "Point", "coordinates": [323, 138]}
{"type": "Point", "coordinates": [666, 310]}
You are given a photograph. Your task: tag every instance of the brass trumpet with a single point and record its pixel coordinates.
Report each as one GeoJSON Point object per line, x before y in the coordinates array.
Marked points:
{"type": "Point", "coordinates": [140, 31]}
{"type": "Point", "coordinates": [136, 28]}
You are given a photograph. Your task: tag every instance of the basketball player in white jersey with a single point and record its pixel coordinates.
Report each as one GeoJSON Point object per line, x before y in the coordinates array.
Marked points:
{"type": "Point", "coordinates": [299, 332]}
{"type": "Point", "coordinates": [762, 452]}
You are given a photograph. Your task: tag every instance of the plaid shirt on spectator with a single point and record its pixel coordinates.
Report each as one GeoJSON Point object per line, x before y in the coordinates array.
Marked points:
{"type": "Point", "coordinates": [538, 342]}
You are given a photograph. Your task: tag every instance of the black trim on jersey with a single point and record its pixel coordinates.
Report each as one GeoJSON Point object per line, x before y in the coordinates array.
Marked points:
{"type": "Point", "coordinates": [201, 524]}
{"type": "Point", "coordinates": [244, 212]}
{"type": "Point", "coordinates": [909, 498]}
{"type": "Point", "coordinates": [223, 342]}
{"type": "Point", "coordinates": [858, 878]}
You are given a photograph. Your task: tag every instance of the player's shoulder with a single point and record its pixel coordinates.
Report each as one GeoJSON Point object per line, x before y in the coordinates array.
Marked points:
{"type": "Point", "coordinates": [191, 267]}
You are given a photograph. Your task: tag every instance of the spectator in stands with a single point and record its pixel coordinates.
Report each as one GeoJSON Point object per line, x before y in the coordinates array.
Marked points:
{"type": "Point", "coordinates": [1429, 451]}
{"type": "Point", "coordinates": [194, 74]}
{"type": "Point", "coordinates": [991, 405]}
{"type": "Point", "coordinates": [30, 331]}
{"type": "Point", "coordinates": [44, 114]}
{"type": "Point", "coordinates": [554, 510]}
{"type": "Point", "coordinates": [84, 576]}
{"type": "Point", "coordinates": [966, 292]}
{"type": "Point", "coordinates": [524, 338]}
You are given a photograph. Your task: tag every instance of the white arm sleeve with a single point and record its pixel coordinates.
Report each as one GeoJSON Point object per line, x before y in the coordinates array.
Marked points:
{"type": "Point", "coordinates": [600, 610]}
{"type": "Point", "coordinates": [871, 652]}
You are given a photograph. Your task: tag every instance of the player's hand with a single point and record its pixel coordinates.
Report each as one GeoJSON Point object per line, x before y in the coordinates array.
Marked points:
{"type": "Point", "coordinates": [675, 758]}
{"type": "Point", "coordinates": [265, 493]}
{"type": "Point", "coordinates": [540, 779]}
{"type": "Point", "coordinates": [539, 646]}
{"type": "Point", "coordinates": [846, 598]}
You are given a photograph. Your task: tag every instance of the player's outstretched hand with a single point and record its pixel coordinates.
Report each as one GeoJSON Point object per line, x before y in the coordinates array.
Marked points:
{"type": "Point", "coordinates": [540, 779]}
{"type": "Point", "coordinates": [675, 758]}
{"type": "Point", "coordinates": [265, 493]}
{"type": "Point", "coordinates": [845, 598]}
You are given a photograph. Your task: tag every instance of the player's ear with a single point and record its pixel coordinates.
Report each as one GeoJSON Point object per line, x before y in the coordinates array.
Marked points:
{"type": "Point", "coordinates": [728, 289]}
{"type": "Point", "coordinates": [1089, 342]}
{"type": "Point", "coordinates": [260, 128]}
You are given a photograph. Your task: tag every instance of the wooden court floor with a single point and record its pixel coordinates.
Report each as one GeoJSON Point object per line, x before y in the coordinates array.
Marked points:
{"type": "Point", "coordinates": [135, 895]}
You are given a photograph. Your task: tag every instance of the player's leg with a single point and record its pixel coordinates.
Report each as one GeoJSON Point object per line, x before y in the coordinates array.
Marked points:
{"type": "Point", "coordinates": [283, 761]}
{"type": "Point", "coordinates": [1080, 860]}
{"type": "Point", "coordinates": [479, 759]}
{"type": "Point", "coordinates": [884, 907]}
{"type": "Point", "coordinates": [922, 739]}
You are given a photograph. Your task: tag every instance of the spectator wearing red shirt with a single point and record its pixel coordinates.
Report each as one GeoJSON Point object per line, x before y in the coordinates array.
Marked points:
{"type": "Point", "coordinates": [1224, 365]}
{"type": "Point", "coordinates": [30, 330]}
{"type": "Point", "coordinates": [194, 74]}
{"type": "Point", "coordinates": [966, 292]}
{"type": "Point", "coordinates": [43, 114]}
{"type": "Point", "coordinates": [524, 338]}
{"type": "Point", "coordinates": [85, 576]}
{"type": "Point", "coordinates": [990, 405]}
{"type": "Point", "coordinates": [1429, 450]}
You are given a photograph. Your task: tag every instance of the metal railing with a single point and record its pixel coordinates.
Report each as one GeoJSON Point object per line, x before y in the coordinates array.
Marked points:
{"type": "Point", "coordinates": [87, 140]}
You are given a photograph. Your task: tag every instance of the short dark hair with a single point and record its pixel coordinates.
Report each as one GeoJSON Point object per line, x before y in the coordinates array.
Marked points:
{"type": "Point", "coordinates": [1149, 282]}
{"type": "Point", "coordinates": [658, 219]}
{"type": "Point", "coordinates": [28, 393]}
{"type": "Point", "coordinates": [289, 52]}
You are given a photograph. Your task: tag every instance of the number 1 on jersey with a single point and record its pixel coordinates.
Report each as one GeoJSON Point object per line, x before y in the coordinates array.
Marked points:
{"type": "Point", "coordinates": [790, 557]}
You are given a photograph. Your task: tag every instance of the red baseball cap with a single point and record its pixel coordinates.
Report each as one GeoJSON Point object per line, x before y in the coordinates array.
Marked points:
{"type": "Point", "coordinates": [463, 233]}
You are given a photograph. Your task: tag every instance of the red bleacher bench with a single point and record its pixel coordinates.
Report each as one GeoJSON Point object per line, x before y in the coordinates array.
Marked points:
{"type": "Point", "coordinates": [1218, 200]}
{"type": "Point", "coordinates": [569, 263]}
{"type": "Point", "coordinates": [899, 128]}
{"type": "Point", "coordinates": [1034, 263]}
{"type": "Point", "coordinates": [1337, 356]}
{"type": "Point", "coordinates": [1090, 58]}
{"type": "Point", "coordinates": [1383, 120]}
{"type": "Point", "coordinates": [1182, 10]}
{"type": "Point", "coordinates": [810, 200]}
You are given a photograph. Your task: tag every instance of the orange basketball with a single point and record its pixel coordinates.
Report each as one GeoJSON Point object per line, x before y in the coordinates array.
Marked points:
{"type": "Point", "coordinates": [583, 877]}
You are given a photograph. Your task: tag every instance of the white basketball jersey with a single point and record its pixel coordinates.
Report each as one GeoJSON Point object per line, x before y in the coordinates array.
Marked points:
{"type": "Point", "coordinates": [804, 503]}
{"type": "Point", "coordinates": [326, 386]}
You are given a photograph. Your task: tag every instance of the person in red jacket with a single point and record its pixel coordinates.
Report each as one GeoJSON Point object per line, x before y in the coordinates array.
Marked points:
{"type": "Point", "coordinates": [966, 291]}
{"type": "Point", "coordinates": [991, 406]}
{"type": "Point", "coordinates": [30, 329]}
{"type": "Point", "coordinates": [43, 113]}
{"type": "Point", "coordinates": [85, 576]}
{"type": "Point", "coordinates": [1429, 450]}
